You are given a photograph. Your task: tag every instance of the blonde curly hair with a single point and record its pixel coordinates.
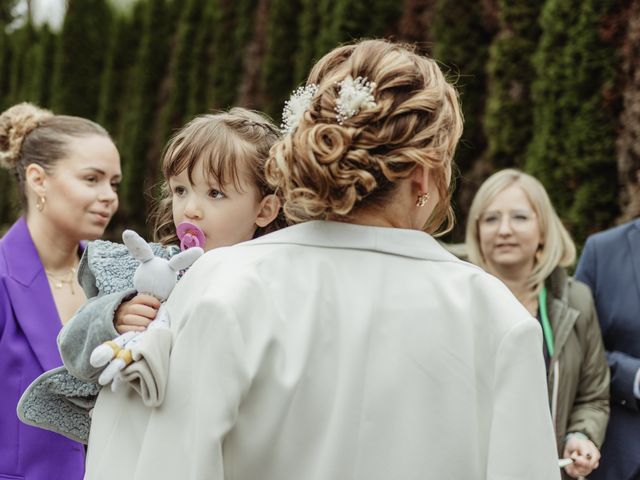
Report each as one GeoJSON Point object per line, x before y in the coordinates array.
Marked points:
{"type": "Point", "coordinates": [29, 134]}
{"type": "Point", "coordinates": [326, 170]}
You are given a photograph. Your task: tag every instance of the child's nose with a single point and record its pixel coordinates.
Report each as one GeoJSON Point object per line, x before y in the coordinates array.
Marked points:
{"type": "Point", "coordinates": [192, 210]}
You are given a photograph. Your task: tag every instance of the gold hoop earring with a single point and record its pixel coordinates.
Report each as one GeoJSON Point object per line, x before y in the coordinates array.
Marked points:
{"type": "Point", "coordinates": [422, 199]}
{"type": "Point", "coordinates": [40, 203]}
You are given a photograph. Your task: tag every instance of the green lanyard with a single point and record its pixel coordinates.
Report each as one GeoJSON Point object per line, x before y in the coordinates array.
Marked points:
{"type": "Point", "coordinates": [546, 326]}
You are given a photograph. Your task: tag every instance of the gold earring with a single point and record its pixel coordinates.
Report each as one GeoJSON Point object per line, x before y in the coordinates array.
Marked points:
{"type": "Point", "coordinates": [422, 199]}
{"type": "Point", "coordinates": [40, 203]}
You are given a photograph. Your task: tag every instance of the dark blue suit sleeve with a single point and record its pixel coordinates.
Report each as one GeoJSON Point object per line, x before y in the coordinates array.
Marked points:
{"type": "Point", "coordinates": [622, 365]}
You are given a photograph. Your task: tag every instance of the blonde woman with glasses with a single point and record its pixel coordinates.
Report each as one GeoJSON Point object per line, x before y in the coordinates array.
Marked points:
{"type": "Point", "coordinates": [515, 234]}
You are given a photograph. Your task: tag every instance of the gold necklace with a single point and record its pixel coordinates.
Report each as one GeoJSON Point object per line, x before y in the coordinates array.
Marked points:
{"type": "Point", "coordinates": [58, 280]}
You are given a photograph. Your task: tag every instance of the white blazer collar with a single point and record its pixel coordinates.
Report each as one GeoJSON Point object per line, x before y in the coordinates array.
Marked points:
{"type": "Point", "coordinates": [395, 241]}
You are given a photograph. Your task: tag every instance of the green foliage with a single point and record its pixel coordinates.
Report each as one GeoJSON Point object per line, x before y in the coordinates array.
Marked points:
{"type": "Point", "coordinates": [8, 199]}
{"type": "Point", "coordinates": [232, 31]}
{"type": "Point", "coordinates": [80, 58]}
{"type": "Point", "coordinates": [41, 67]}
{"type": "Point", "coordinates": [199, 82]}
{"type": "Point", "coordinates": [343, 21]}
{"type": "Point", "coordinates": [573, 146]}
{"type": "Point", "coordinates": [508, 116]}
{"type": "Point", "coordinates": [277, 74]}
{"type": "Point", "coordinates": [5, 70]}
{"type": "Point", "coordinates": [308, 28]}
{"type": "Point", "coordinates": [462, 43]}
{"type": "Point", "coordinates": [21, 42]}
{"type": "Point", "coordinates": [116, 75]}
{"type": "Point", "coordinates": [181, 66]}
{"type": "Point", "coordinates": [140, 117]}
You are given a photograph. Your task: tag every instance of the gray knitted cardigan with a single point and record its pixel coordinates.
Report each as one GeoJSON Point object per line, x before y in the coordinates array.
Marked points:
{"type": "Point", "coordinates": [61, 399]}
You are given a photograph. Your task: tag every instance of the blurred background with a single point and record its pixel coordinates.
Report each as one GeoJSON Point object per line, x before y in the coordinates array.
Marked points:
{"type": "Point", "coordinates": [551, 87]}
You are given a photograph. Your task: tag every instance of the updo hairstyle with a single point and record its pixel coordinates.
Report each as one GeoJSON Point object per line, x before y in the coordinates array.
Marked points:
{"type": "Point", "coordinates": [325, 170]}
{"type": "Point", "coordinates": [29, 134]}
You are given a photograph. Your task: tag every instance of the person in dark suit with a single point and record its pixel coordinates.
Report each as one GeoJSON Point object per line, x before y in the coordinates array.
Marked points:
{"type": "Point", "coordinates": [610, 265]}
{"type": "Point", "coordinates": [67, 169]}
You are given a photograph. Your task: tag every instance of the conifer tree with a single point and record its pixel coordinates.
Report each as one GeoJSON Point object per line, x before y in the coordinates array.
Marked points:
{"type": "Point", "coordinates": [5, 63]}
{"type": "Point", "coordinates": [117, 73]}
{"type": "Point", "coordinates": [80, 58]}
{"type": "Point", "coordinates": [277, 74]}
{"type": "Point", "coordinates": [139, 173]}
{"type": "Point", "coordinates": [308, 30]}
{"type": "Point", "coordinates": [199, 82]}
{"type": "Point", "coordinates": [572, 151]}
{"type": "Point", "coordinates": [508, 116]}
{"type": "Point", "coordinates": [181, 65]}
{"type": "Point", "coordinates": [22, 41]}
{"type": "Point", "coordinates": [41, 67]}
{"type": "Point", "coordinates": [462, 43]}
{"type": "Point", "coordinates": [231, 35]}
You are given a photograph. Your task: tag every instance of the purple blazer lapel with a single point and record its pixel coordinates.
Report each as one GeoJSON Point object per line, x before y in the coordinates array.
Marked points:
{"type": "Point", "coordinates": [31, 298]}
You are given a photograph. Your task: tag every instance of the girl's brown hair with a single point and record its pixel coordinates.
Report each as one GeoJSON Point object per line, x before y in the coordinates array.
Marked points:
{"type": "Point", "coordinates": [326, 170]}
{"type": "Point", "coordinates": [222, 140]}
{"type": "Point", "coordinates": [29, 134]}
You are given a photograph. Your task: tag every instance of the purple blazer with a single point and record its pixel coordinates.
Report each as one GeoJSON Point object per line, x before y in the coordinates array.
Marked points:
{"type": "Point", "coordinates": [29, 325]}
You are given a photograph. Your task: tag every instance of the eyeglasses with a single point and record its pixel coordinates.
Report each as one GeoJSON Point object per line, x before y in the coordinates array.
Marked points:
{"type": "Point", "coordinates": [518, 219]}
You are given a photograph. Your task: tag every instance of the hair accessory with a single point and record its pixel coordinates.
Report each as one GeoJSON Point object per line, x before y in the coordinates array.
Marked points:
{"type": "Point", "coordinates": [354, 95]}
{"type": "Point", "coordinates": [40, 202]}
{"type": "Point", "coordinates": [423, 199]}
{"type": "Point", "coordinates": [190, 236]}
{"type": "Point", "coordinates": [295, 107]}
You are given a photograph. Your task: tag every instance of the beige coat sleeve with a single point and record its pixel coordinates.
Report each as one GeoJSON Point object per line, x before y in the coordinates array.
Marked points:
{"type": "Point", "coordinates": [209, 379]}
{"type": "Point", "coordinates": [521, 406]}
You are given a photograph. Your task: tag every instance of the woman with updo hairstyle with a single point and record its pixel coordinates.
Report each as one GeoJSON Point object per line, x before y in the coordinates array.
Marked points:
{"type": "Point", "coordinates": [515, 234]}
{"type": "Point", "coordinates": [67, 170]}
{"type": "Point", "coordinates": [350, 345]}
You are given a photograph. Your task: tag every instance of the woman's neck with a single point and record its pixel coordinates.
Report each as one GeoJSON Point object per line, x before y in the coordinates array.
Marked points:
{"type": "Point", "coordinates": [58, 252]}
{"type": "Point", "coordinates": [516, 278]}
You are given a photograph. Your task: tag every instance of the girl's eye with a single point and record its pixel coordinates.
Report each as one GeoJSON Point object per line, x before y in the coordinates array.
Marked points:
{"type": "Point", "coordinates": [179, 191]}
{"type": "Point", "coordinates": [213, 193]}
{"type": "Point", "coordinates": [91, 179]}
{"type": "Point", "coordinates": [115, 186]}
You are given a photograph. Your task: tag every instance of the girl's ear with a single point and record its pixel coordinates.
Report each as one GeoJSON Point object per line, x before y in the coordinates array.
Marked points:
{"type": "Point", "coordinates": [36, 179]}
{"type": "Point", "coordinates": [269, 209]}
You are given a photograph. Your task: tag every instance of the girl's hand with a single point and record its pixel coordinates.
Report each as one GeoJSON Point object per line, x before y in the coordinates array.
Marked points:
{"type": "Point", "coordinates": [585, 455]}
{"type": "Point", "coordinates": [136, 314]}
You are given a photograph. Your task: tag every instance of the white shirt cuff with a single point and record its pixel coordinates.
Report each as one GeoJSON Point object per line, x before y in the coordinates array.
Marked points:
{"type": "Point", "coordinates": [636, 385]}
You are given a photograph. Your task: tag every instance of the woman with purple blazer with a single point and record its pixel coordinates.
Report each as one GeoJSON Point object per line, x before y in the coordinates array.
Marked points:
{"type": "Point", "coordinates": [67, 169]}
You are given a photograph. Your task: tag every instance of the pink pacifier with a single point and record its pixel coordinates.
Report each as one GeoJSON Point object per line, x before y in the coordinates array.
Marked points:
{"type": "Point", "coordinates": [190, 236]}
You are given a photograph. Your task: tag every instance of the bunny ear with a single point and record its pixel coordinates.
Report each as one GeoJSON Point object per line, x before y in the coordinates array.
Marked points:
{"type": "Point", "coordinates": [185, 259]}
{"type": "Point", "coordinates": [138, 247]}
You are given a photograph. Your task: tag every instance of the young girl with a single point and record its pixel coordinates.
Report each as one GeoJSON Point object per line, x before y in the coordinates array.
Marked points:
{"type": "Point", "coordinates": [213, 172]}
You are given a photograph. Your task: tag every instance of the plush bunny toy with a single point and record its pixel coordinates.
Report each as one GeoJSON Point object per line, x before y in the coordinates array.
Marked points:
{"type": "Point", "coordinates": [154, 276]}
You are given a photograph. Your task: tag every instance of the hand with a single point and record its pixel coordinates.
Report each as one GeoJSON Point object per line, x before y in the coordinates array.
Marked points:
{"type": "Point", "coordinates": [136, 314]}
{"type": "Point", "coordinates": [585, 455]}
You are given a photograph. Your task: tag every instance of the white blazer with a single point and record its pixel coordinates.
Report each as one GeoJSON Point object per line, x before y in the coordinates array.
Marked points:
{"type": "Point", "coordinates": [330, 351]}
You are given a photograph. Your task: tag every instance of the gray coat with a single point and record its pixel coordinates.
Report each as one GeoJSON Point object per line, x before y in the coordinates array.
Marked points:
{"type": "Point", "coordinates": [61, 399]}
